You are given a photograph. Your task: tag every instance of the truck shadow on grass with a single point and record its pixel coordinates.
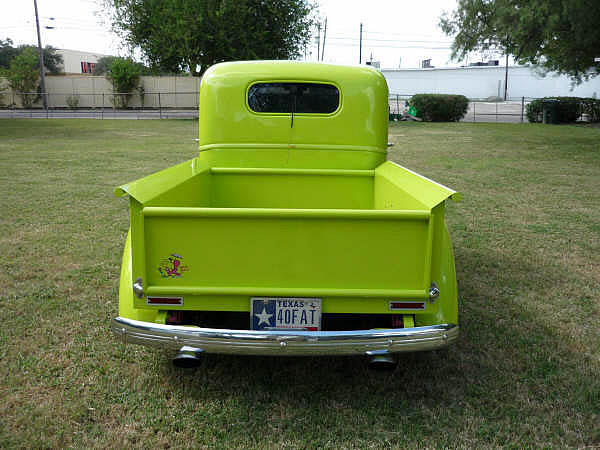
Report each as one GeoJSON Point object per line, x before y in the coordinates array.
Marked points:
{"type": "Point", "coordinates": [511, 379]}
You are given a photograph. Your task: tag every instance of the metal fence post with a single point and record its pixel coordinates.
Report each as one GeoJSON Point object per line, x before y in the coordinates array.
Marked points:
{"type": "Point", "coordinates": [159, 107]}
{"type": "Point", "coordinates": [102, 110]}
{"type": "Point", "coordinates": [473, 111]}
{"type": "Point", "coordinates": [47, 103]}
{"type": "Point", "coordinates": [522, 107]}
{"type": "Point", "coordinates": [496, 112]}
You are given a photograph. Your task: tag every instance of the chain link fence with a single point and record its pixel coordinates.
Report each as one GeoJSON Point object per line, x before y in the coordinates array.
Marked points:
{"type": "Point", "coordinates": [514, 110]}
{"type": "Point", "coordinates": [184, 105]}
{"type": "Point", "coordinates": [145, 105]}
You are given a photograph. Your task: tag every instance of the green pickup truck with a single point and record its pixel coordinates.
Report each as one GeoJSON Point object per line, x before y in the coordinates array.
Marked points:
{"type": "Point", "coordinates": [289, 233]}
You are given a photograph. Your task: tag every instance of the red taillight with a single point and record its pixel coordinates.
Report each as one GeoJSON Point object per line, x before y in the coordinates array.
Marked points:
{"type": "Point", "coordinates": [414, 306]}
{"type": "Point", "coordinates": [164, 301]}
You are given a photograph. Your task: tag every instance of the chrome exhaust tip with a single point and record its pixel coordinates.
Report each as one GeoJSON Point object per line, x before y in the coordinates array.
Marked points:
{"type": "Point", "coordinates": [382, 360]}
{"type": "Point", "coordinates": [188, 357]}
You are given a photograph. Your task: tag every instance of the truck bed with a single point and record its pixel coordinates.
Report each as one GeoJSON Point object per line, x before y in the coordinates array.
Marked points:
{"type": "Point", "coordinates": [289, 232]}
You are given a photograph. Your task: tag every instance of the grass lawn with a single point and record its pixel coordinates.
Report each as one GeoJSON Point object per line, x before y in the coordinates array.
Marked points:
{"type": "Point", "coordinates": [526, 371]}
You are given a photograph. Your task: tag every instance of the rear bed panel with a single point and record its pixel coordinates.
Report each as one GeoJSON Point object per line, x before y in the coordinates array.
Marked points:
{"type": "Point", "coordinates": [285, 188]}
{"type": "Point", "coordinates": [281, 249]}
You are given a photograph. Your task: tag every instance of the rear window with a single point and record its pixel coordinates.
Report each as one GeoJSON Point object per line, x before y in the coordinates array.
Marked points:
{"type": "Point", "coordinates": [299, 98]}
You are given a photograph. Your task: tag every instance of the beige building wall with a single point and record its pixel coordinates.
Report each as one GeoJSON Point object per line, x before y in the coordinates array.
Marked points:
{"type": "Point", "coordinates": [72, 60]}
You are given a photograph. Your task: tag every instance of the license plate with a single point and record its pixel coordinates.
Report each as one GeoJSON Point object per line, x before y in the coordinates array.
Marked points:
{"type": "Point", "coordinates": [285, 313]}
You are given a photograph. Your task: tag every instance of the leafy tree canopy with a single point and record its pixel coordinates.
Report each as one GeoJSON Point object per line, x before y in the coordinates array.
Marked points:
{"type": "Point", "coordinates": [559, 35]}
{"type": "Point", "coordinates": [103, 66]}
{"type": "Point", "coordinates": [23, 75]}
{"type": "Point", "coordinates": [7, 53]}
{"type": "Point", "coordinates": [52, 60]}
{"type": "Point", "coordinates": [124, 74]}
{"type": "Point", "coordinates": [191, 35]}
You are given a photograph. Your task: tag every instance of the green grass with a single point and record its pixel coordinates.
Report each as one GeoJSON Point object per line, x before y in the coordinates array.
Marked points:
{"type": "Point", "coordinates": [526, 372]}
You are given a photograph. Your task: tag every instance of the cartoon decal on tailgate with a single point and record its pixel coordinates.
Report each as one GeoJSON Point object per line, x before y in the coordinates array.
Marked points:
{"type": "Point", "coordinates": [171, 266]}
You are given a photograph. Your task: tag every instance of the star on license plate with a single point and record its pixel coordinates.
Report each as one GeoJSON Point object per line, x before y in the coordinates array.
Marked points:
{"type": "Point", "coordinates": [271, 313]}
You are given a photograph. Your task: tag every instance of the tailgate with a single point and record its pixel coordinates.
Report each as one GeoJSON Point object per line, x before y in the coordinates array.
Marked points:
{"type": "Point", "coordinates": [284, 252]}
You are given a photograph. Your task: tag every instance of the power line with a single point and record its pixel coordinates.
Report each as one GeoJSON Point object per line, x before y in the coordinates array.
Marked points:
{"type": "Point", "coordinates": [389, 40]}
{"type": "Point", "coordinates": [348, 31]}
{"type": "Point", "coordinates": [392, 46]}
{"type": "Point", "coordinates": [68, 19]}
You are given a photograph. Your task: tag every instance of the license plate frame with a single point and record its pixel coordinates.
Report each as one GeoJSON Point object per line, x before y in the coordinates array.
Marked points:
{"type": "Point", "coordinates": [285, 313]}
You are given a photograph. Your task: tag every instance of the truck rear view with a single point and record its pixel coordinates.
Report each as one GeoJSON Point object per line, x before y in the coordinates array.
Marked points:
{"type": "Point", "coordinates": [290, 233]}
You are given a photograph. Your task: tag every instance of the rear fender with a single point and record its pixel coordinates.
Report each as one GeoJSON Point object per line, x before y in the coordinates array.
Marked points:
{"type": "Point", "coordinates": [126, 297]}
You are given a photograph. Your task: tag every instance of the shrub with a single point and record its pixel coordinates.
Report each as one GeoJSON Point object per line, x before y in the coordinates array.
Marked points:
{"type": "Point", "coordinates": [3, 88]}
{"type": "Point", "coordinates": [124, 74]}
{"type": "Point", "coordinates": [568, 109]}
{"type": "Point", "coordinates": [440, 107]}
{"type": "Point", "coordinates": [591, 106]}
{"type": "Point", "coordinates": [73, 101]}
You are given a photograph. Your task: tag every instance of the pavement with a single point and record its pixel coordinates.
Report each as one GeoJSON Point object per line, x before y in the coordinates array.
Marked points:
{"type": "Point", "coordinates": [98, 114]}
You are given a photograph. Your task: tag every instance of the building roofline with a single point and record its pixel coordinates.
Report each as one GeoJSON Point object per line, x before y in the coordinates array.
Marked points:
{"type": "Point", "coordinates": [429, 69]}
{"type": "Point", "coordinates": [82, 51]}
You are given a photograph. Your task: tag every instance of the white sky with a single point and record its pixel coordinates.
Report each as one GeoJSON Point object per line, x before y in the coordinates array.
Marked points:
{"type": "Point", "coordinates": [395, 32]}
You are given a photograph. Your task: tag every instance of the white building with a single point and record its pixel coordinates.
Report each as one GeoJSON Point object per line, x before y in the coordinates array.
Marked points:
{"type": "Point", "coordinates": [486, 81]}
{"type": "Point", "coordinates": [78, 62]}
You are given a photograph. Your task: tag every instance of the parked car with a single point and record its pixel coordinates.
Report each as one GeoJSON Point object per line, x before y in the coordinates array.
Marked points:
{"type": "Point", "coordinates": [289, 233]}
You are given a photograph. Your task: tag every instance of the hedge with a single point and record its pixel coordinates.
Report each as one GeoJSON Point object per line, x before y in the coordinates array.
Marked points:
{"type": "Point", "coordinates": [440, 107]}
{"type": "Point", "coordinates": [569, 109]}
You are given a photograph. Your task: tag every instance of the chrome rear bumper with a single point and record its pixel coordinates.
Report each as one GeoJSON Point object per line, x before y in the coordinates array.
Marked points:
{"type": "Point", "coordinates": [246, 342]}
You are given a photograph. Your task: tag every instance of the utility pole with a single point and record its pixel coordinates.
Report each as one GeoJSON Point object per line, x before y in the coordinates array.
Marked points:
{"type": "Point", "coordinates": [324, 36]}
{"type": "Point", "coordinates": [318, 41]}
{"type": "Point", "coordinates": [360, 49]}
{"type": "Point", "coordinates": [506, 79]}
{"type": "Point", "coordinates": [42, 75]}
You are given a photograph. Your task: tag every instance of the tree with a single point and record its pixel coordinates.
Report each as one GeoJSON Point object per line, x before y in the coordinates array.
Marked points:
{"type": "Point", "coordinates": [191, 35]}
{"type": "Point", "coordinates": [124, 74]}
{"type": "Point", "coordinates": [7, 53]}
{"type": "Point", "coordinates": [23, 75]}
{"type": "Point", "coordinates": [559, 35]}
{"type": "Point", "coordinates": [52, 60]}
{"type": "Point", "coordinates": [103, 65]}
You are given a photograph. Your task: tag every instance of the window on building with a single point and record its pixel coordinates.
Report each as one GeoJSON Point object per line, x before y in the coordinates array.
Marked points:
{"type": "Point", "coordinates": [87, 67]}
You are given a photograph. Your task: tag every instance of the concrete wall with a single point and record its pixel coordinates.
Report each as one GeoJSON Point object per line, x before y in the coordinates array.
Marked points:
{"type": "Point", "coordinates": [95, 92]}
{"type": "Point", "coordinates": [484, 82]}
{"type": "Point", "coordinates": [182, 92]}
